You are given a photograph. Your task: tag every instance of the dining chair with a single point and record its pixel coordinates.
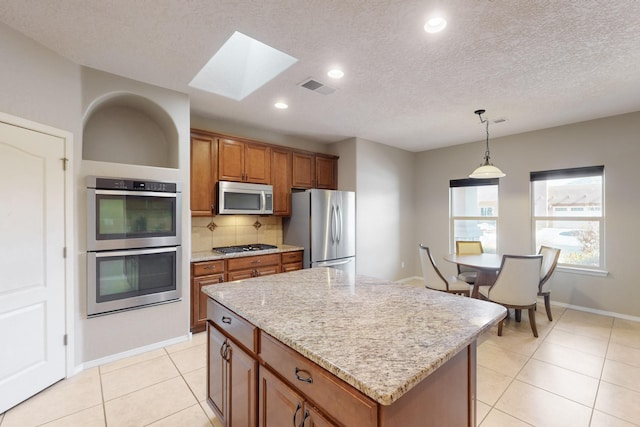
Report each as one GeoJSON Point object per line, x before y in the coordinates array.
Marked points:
{"type": "Point", "coordinates": [433, 279]}
{"type": "Point", "coordinates": [549, 261]}
{"type": "Point", "coordinates": [467, 247]}
{"type": "Point", "coordinates": [516, 286]}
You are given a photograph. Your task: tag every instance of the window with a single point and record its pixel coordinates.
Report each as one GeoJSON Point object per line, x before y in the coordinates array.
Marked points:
{"type": "Point", "coordinates": [474, 212]}
{"type": "Point", "coordinates": [567, 213]}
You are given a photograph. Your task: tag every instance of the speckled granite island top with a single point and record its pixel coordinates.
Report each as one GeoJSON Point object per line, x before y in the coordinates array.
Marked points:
{"type": "Point", "coordinates": [381, 337]}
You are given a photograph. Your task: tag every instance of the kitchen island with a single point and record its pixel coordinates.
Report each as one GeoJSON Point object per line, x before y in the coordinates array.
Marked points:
{"type": "Point", "coordinates": [320, 347]}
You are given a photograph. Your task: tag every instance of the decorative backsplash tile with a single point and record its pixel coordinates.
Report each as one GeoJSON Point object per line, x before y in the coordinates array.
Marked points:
{"type": "Point", "coordinates": [227, 230]}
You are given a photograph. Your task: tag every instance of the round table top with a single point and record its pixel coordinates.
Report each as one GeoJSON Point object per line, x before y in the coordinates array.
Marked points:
{"type": "Point", "coordinates": [482, 261]}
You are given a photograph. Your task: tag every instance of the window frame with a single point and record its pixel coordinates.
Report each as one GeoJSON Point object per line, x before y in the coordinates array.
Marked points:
{"type": "Point", "coordinates": [471, 182]}
{"type": "Point", "coordinates": [578, 172]}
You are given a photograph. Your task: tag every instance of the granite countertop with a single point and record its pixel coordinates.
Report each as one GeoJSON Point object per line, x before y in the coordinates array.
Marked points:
{"type": "Point", "coordinates": [381, 337]}
{"type": "Point", "coordinates": [213, 255]}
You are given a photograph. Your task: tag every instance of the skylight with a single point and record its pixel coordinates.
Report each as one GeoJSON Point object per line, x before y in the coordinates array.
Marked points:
{"type": "Point", "coordinates": [241, 66]}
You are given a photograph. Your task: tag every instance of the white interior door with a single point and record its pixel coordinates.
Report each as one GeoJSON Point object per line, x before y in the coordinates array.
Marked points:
{"type": "Point", "coordinates": [32, 268]}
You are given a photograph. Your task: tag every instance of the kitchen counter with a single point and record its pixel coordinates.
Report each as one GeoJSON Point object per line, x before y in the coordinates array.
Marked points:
{"type": "Point", "coordinates": [213, 255]}
{"type": "Point", "coordinates": [383, 338]}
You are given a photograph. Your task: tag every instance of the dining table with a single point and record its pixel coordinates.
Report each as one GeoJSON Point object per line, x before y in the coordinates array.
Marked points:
{"type": "Point", "coordinates": [487, 266]}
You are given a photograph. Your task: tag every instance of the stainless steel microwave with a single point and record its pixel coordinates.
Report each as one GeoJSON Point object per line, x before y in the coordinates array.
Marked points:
{"type": "Point", "coordinates": [244, 198]}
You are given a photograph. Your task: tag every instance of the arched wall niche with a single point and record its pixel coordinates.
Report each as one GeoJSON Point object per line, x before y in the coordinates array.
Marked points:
{"type": "Point", "coordinates": [130, 129]}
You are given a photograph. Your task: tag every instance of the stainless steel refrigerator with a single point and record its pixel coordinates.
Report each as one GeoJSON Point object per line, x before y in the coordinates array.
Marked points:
{"type": "Point", "coordinates": [324, 223]}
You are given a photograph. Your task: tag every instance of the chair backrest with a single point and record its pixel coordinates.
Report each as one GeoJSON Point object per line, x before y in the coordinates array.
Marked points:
{"type": "Point", "coordinates": [549, 261]}
{"type": "Point", "coordinates": [517, 282]}
{"type": "Point", "coordinates": [467, 247]}
{"type": "Point", "coordinates": [433, 279]}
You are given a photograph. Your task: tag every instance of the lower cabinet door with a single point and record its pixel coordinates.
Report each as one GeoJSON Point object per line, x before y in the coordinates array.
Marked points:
{"type": "Point", "coordinates": [243, 376]}
{"type": "Point", "coordinates": [279, 405]}
{"type": "Point", "coordinates": [217, 377]}
{"type": "Point", "coordinates": [313, 418]}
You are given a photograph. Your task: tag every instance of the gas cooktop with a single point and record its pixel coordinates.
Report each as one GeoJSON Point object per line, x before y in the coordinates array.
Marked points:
{"type": "Point", "coordinates": [244, 248]}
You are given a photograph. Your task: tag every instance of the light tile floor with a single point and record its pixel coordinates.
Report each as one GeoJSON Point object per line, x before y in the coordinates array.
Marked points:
{"type": "Point", "coordinates": [583, 370]}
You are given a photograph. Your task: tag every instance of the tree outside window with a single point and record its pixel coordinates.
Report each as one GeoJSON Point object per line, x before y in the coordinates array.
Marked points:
{"type": "Point", "coordinates": [567, 213]}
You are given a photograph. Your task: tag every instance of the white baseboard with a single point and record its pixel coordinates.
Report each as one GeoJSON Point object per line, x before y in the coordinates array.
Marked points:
{"type": "Point", "coordinates": [129, 353]}
{"type": "Point", "coordinates": [561, 304]}
{"type": "Point", "coordinates": [596, 311]}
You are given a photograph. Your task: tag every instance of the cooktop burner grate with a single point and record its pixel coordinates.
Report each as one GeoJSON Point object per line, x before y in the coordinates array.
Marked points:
{"type": "Point", "coordinates": [244, 248]}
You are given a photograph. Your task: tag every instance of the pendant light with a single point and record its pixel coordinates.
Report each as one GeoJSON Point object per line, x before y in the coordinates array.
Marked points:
{"type": "Point", "coordinates": [486, 169]}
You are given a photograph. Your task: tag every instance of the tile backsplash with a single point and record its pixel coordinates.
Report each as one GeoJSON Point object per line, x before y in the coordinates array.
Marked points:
{"type": "Point", "coordinates": [227, 230]}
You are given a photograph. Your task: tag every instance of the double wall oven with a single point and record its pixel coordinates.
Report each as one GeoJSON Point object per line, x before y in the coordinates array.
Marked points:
{"type": "Point", "coordinates": [134, 244]}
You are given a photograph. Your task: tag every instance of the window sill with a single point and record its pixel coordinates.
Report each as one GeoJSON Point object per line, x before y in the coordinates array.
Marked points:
{"type": "Point", "coordinates": [585, 271]}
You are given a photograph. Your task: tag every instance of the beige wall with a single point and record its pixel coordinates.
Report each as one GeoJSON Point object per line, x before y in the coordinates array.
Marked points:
{"type": "Point", "coordinates": [385, 210]}
{"type": "Point", "coordinates": [612, 142]}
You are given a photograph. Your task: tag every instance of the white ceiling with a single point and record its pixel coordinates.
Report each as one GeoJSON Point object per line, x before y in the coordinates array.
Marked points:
{"type": "Point", "coordinates": [537, 63]}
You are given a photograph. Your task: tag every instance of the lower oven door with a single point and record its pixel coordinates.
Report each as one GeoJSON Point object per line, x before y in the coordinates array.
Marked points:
{"type": "Point", "coordinates": [127, 279]}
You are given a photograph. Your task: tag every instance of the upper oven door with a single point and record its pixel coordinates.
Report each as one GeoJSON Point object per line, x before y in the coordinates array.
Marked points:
{"type": "Point", "coordinates": [121, 219]}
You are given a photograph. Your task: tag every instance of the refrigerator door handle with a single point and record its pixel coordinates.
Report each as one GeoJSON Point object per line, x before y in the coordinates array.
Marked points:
{"type": "Point", "coordinates": [339, 211]}
{"type": "Point", "coordinates": [332, 263]}
{"type": "Point", "coordinates": [333, 224]}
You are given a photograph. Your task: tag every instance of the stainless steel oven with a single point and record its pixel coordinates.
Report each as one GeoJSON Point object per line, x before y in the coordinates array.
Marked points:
{"type": "Point", "coordinates": [134, 238]}
{"type": "Point", "coordinates": [132, 278]}
{"type": "Point", "coordinates": [127, 213]}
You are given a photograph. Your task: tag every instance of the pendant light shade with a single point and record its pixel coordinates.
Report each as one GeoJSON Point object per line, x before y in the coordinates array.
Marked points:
{"type": "Point", "coordinates": [486, 169]}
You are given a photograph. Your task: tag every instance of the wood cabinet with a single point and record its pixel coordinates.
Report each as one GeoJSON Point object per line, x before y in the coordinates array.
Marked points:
{"type": "Point", "coordinates": [281, 181]}
{"type": "Point", "coordinates": [314, 170]}
{"type": "Point", "coordinates": [252, 266]}
{"type": "Point", "coordinates": [232, 381]}
{"type": "Point", "coordinates": [244, 162]}
{"type": "Point", "coordinates": [204, 164]}
{"type": "Point", "coordinates": [203, 274]}
{"type": "Point", "coordinates": [280, 405]}
{"type": "Point", "coordinates": [291, 261]}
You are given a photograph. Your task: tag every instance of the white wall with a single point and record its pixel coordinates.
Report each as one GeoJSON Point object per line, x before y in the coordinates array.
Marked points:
{"type": "Point", "coordinates": [39, 85]}
{"type": "Point", "coordinates": [385, 210]}
{"type": "Point", "coordinates": [612, 142]}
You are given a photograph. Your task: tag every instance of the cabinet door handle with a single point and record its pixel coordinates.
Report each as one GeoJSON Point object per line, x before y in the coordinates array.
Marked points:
{"type": "Point", "coordinates": [307, 378]}
{"type": "Point", "coordinates": [226, 320]}
{"type": "Point", "coordinates": [295, 414]}
{"type": "Point", "coordinates": [223, 349]}
{"type": "Point", "coordinates": [304, 420]}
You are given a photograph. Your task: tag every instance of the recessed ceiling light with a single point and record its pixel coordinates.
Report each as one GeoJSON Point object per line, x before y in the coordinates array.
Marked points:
{"type": "Point", "coordinates": [335, 73]}
{"type": "Point", "coordinates": [435, 24]}
{"type": "Point", "coordinates": [241, 66]}
{"type": "Point", "coordinates": [281, 105]}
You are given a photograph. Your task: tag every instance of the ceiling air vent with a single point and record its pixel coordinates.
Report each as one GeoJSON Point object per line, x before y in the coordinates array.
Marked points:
{"type": "Point", "coordinates": [316, 86]}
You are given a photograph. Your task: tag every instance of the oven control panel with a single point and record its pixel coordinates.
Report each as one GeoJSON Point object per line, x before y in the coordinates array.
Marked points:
{"type": "Point", "coordinates": [132, 185]}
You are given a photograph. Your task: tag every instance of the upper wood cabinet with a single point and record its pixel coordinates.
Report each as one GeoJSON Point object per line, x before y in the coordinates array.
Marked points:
{"type": "Point", "coordinates": [281, 181]}
{"type": "Point", "coordinates": [244, 162]}
{"type": "Point", "coordinates": [204, 171]}
{"type": "Point", "coordinates": [326, 172]}
{"type": "Point", "coordinates": [311, 170]}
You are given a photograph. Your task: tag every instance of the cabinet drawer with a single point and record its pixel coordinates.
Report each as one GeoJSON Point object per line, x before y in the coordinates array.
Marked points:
{"type": "Point", "coordinates": [249, 262]}
{"type": "Point", "coordinates": [208, 267]}
{"type": "Point", "coordinates": [291, 267]}
{"type": "Point", "coordinates": [289, 257]}
{"type": "Point", "coordinates": [346, 404]}
{"type": "Point", "coordinates": [235, 326]}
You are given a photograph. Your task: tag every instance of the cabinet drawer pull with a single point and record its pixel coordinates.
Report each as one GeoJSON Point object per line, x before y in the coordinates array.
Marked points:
{"type": "Point", "coordinates": [226, 320]}
{"type": "Point", "coordinates": [295, 414]}
{"type": "Point", "coordinates": [308, 378]}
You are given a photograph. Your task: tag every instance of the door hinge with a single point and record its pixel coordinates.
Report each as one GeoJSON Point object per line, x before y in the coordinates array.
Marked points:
{"type": "Point", "coordinates": [64, 163]}
{"type": "Point", "coordinates": [64, 252]}
{"type": "Point", "coordinates": [65, 339]}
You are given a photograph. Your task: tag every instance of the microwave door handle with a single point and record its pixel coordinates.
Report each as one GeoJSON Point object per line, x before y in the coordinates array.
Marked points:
{"type": "Point", "coordinates": [263, 199]}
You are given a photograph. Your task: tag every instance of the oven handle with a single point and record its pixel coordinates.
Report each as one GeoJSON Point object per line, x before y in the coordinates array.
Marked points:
{"type": "Point", "coordinates": [135, 193]}
{"type": "Point", "coordinates": [103, 254]}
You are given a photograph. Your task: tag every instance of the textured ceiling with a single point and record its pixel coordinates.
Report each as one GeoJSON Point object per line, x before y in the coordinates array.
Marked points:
{"type": "Point", "coordinates": [536, 63]}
